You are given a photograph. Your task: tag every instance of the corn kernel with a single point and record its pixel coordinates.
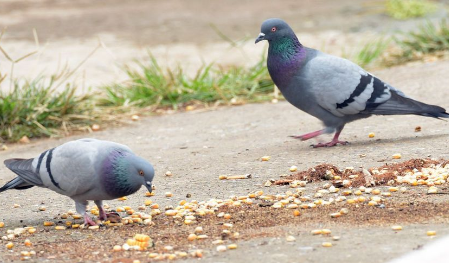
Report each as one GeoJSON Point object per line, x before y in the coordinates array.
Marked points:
{"type": "Point", "coordinates": [2, 224]}
{"type": "Point", "coordinates": [396, 228]}
{"type": "Point", "coordinates": [117, 248]}
{"type": "Point", "coordinates": [397, 156]}
{"type": "Point", "coordinates": [60, 227]}
{"type": "Point", "coordinates": [335, 215]}
{"type": "Point", "coordinates": [432, 190]}
{"type": "Point", "coordinates": [327, 244]}
{"type": "Point", "coordinates": [142, 237]}
{"type": "Point", "coordinates": [154, 206]}
{"type": "Point", "coordinates": [326, 231]}
{"type": "Point", "coordinates": [199, 230]}
{"type": "Point", "coordinates": [232, 246]}
{"type": "Point", "coordinates": [123, 198]}
{"type": "Point", "coordinates": [393, 189]}
{"type": "Point", "coordinates": [296, 213]}
{"type": "Point", "coordinates": [290, 239]}
{"type": "Point", "coordinates": [76, 216]}
{"type": "Point", "coordinates": [48, 223]}
{"type": "Point", "coordinates": [336, 238]}
{"type": "Point", "coordinates": [42, 208]}
{"type": "Point", "coordinates": [221, 248]}
{"type": "Point", "coordinates": [27, 243]}
{"type": "Point", "coordinates": [222, 177]}
{"type": "Point", "coordinates": [16, 205]}
{"type": "Point", "coordinates": [198, 253]}
{"type": "Point", "coordinates": [75, 226]}
{"type": "Point", "coordinates": [372, 203]}
{"type": "Point", "coordinates": [171, 212]}
{"type": "Point", "coordinates": [265, 158]}
{"type": "Point", "coordinates": [431, 233]}
{"type": "Point", "coordinates": [25, 253]}
{"type": "Point", "coordinates": [149, 194]}
{"type": "Point", "coordinates": [202, 237]}
{"type": "Point", "coordinates": [168, 194]}
{"type": "Point", "coordinates": [375, 191]}
{"type": "Point", "coordinates": [130, 211]}
{"type": "Point", "coordinates": [316, 232]}
{"type": "Point", "coordinates": [358, 192]}
{"type": "Point", "coordinates": [32, 230]}
{"type": "Point", "coordinates": [371, 135]}
{"type": "Point", "coordinates": [10, 245]}
{"type": "Point", "coordinates": [192, 237]}
{"type": "Point", "coordinates": [293, 168]}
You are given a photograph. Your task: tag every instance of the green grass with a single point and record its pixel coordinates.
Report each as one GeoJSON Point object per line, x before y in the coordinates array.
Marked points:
{"type": "Point", "coordinates": [370, 53]}
{"type": "Point", "coordinates": [406, 9]}
{"type": "Point", "coordinates": [34, 109]}
{"type": "Point", "coordinates": [150, 85]}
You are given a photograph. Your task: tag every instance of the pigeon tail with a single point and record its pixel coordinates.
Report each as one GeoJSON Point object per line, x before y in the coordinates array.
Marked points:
{"type": "Point", "coordinates": [24, 169]}
{"type": "Point", "coordinates": [399, 104]}
{"type": "Point", "coordinates": [16, 183]}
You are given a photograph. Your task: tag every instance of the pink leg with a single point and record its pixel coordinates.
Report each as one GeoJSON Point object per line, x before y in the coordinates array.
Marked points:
{"type": "Point", "coordinates": [308, 136]}
{"type": "Point", "coordinates": [103, 215]}
{"type": "Point", "coordinates": [88, 221]}
{"type": "Point", "coordinates": [334, 141]}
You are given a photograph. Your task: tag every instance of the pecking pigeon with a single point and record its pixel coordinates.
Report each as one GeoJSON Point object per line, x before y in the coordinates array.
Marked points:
{"type": "Point", "coordinates": [86, 169]}
{"type": "Point", "coordinates": [332, 89]}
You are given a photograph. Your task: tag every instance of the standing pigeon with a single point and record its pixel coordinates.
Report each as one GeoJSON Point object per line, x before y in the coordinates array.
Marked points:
{"type": "Point", "coordinates": [332, 89]}
{"type": "Point", "coordinates": [86, 169]}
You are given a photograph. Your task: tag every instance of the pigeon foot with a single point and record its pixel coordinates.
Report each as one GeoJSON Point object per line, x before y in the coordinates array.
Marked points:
{"type": "Point", "coordinates": [307, 136]}
{"type": "Point", "coordinates": [330, 144]}
{"type": "Point", "coordinates": [88, 221]}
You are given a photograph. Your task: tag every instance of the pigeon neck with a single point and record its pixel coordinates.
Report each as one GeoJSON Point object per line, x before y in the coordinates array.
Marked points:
{"type": "Point", "coordinates": [115, 175]}
{"type": "Point", "coordinates": [285, 57]}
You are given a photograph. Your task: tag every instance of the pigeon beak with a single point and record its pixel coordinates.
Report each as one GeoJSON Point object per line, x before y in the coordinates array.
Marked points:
{"type": "Point", "coordinates": [149, 186]}
{"type": "Point", "coordinates": [260, 38]}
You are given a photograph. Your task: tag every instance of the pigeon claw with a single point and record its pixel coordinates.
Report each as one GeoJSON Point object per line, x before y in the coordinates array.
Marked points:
{"type": "Point", "coordinates": [88, 221]}
{"type": "Point", "coordinates": [330, 144]}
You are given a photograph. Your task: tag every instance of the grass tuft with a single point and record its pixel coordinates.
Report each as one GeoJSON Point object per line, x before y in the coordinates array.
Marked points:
{"type": "Point", "coordinates": [405, 9]}
{"type": "Point", "coordinates": [150, 85]}
{"type": "Point", "coordinates": [34, 109]}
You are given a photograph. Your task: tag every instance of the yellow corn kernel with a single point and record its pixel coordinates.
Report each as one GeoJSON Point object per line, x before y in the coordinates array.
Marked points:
{"type": "Point", "coordinates": [192, 237]}
{"type": "Point", "coordinates": [75, 225]}
{"type": "Point", "coordinates": [265, 158]}
{"type": "Point", "coordinates": [393, 189]}
{"type": "Point", "coordinates": [227, 216]}
{"type": "Point", "coordinates": [168, 194]}
{"type": "Point", "coordinates": [171, 212]}
{"type": "Point", "coordinates": [48, 223]}
{"type": "Point", "coordinates": [327, 244]}
{"type": "Point", "coordinates": [142, 237]}
{"type": "Point", "coordinates": [94, 227]}
{"type": "Point", "coordinates": [358, 192]}
{"type": "Point", "coordinates": [154, 206]}
{"type": "Point", "coordinates": [202, 237]}
{"type": "Point", "coordinates": [32, 230]}
{"type": "Point", "coordinates": [123, 198]}
{"type": "Point", "coordinates": [198, 253]}
{"type": "Point", "coordinates": [347, 192]}
{"type": "Point", "coordinates": [182, 202]}
{"type": "Point", "coordinates": [27, 243]}
{"type": "Point", "coordinates": [60, 227]}
{"type": "Point", "coordinates": [42, 208]}
{"type": "Point", "coordinates": [371, 135]}
{"type": "Point", "coordinates": [10, 245]}
{"type": "Point", "coordinates": [296, 213]}
{"type": "Point", "coordinates": [326, 231]}
{"type": "Point", "coordinates": [375, 191]}
{"type": "Point", "coordinates": [350, 201]}
{"type": "Point", "coordinates": [372, 203]}
{"type": "Point", "coordinates": [361, 199]}
{"type": "Point", "coordinates": [431, 233]}
{"type": "Point", "coordinates": [432, 190]}
{"type": "Point", "coordinates": [130, 211]}
{"type": "Point", "coordinates": [232, 246]}
{"type": "Point", "coordinates": [2, 224]}
{"type": "Point", "coordinates": [120, 209]}
{"type": "Point", "coordinates": [316, 232]}
{"type": "Point", "coordinates": [397, 156]}
{"type": "Point", "coordinates": [149, 194]}
{"type": "Point", "coordinates": [290, 238]}
{"type": "Point", "coordinates": [335, 215]}
{"type": "Point", "coordinates": [396, 228]}
{"type": "Point", "coordinates": [293, 168]}
{"type": "Point", "coordinates": [222, 177]}
{"type": "Point", "coordinates": [16, 205]}
{"type": "Point", "coordinates": [25, 253]}
{"type": "Point", "coordinates": [258, 193]}
{"type": "Point", "coordinates": [76, 216]}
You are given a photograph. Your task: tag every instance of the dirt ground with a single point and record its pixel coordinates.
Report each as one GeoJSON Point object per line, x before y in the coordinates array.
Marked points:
{"type": "Point", "coordinates": [199, 146]}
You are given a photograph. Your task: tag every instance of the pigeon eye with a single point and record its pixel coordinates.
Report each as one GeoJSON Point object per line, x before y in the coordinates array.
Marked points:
{"type": "Point", "coordinates": [141, 172]}
{"type": "Point", "coordinates": [273, 29]}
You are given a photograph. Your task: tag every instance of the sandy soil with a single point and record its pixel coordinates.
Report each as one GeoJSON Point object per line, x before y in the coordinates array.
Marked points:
{"type": "Point", "coordinates": [199, 146]}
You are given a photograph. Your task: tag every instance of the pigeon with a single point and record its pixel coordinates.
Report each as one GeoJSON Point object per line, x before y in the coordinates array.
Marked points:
{"type": "Point", "coordinates": [330, 88]}
{"type": "Point", "coordinates": [85, 169]}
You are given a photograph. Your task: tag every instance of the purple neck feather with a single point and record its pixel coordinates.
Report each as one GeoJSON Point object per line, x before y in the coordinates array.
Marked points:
{"type": "Point", "coordinates": [285, 57]}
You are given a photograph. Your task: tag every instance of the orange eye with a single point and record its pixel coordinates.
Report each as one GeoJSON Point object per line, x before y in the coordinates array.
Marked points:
{"type": "Point", "coordinates": [273, 29]}
{"type": "Point", "coordinates": [141, 172]}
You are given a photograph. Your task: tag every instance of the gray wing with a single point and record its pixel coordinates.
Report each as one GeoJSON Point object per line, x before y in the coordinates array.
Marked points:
{"type": "Point", "coordinates": [25, 170]}
{"type": "Point", "coordinates": [342, 87]}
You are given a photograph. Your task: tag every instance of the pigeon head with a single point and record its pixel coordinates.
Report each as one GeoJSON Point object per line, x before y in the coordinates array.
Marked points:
{"type": "Point", "coordinates": [274, 29]}
{"type": "Point", "coordinates": [123, 173]}
{"type": "Point", "coordinates": [140, 171]}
